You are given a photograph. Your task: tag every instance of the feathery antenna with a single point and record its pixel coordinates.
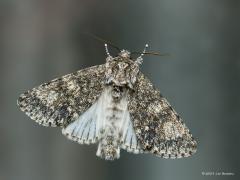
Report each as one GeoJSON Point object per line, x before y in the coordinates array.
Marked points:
{"type": "Point", "coordinates": [103, 40]}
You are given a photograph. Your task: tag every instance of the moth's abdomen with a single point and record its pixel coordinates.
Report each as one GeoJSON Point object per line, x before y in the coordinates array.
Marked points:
{"type": "Point", "coordinates": [109, 148]}
{"type": "Point", "coordinates": [109, 145]}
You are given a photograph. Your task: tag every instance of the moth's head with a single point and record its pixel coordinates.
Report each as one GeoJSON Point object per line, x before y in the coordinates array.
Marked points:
{"type": "Point", "coordinates": [122, 70]}
{"type": "Point", "coordinates": [124, 54]}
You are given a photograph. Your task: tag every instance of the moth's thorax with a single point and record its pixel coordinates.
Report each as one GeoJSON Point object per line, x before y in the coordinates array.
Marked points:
{"type": "Point", "coordinates": [121, 70]}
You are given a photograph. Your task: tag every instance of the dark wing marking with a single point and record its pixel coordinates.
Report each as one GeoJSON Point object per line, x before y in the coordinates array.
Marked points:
{"type": "Point", "coordinates": [158, 127]}
{"type": "Point", "coordinates": [63, 100]}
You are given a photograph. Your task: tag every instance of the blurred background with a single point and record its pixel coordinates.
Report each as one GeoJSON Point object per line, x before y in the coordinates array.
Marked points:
{"type": "Point", "coordinates": [44, 39]}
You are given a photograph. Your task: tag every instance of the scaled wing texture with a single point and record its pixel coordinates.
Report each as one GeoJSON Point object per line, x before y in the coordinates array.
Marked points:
{"type": "Point", "coordinates": [159, 129]}
{"type": "Point", "coordinates": [63, 100]}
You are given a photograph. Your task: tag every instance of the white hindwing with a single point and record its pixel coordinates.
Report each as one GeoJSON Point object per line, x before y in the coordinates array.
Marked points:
{"type": "Point", "coordinates": [88, 127]}
{"type": "Point", "coordinates": [129, 139]}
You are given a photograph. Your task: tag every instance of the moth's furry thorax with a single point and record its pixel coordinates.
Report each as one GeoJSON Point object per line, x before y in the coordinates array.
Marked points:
{"type": "Point", "coordinates": [121, 71]}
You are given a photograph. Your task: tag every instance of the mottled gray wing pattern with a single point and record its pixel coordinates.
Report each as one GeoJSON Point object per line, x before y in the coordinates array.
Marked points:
{"type": "Point", "coordinates": [63, 100]}
{"type": "Point", "coordinates": [158, 127]}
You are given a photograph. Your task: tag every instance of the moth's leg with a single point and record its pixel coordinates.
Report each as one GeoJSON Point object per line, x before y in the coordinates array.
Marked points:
{"type": "Point", "coordinates": [109, 57]}
{"type": "Point", "coordinates": [107, 51]}
{"type": "Point", "coordinates": [139, 60]}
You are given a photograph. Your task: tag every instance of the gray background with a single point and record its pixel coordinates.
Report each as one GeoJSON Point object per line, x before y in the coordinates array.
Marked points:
{"type": "Point", "coordinates": [42, 39]}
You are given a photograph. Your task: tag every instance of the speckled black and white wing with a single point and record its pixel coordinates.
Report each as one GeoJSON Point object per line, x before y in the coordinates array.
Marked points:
{"type": "Point", "coordinates": [62, 100]}
{"type": "Point", "coordinates": [158, 127]}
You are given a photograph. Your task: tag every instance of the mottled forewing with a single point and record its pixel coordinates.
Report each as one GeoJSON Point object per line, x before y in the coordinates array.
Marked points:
{"type": "Point", "coordinates": [63, 100]}
{"type": "Point", "coordinates": [158, 127]}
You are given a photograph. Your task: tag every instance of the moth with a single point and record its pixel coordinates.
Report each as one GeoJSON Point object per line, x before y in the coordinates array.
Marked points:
{"type": "Point", "coordinates": [114, 105]}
